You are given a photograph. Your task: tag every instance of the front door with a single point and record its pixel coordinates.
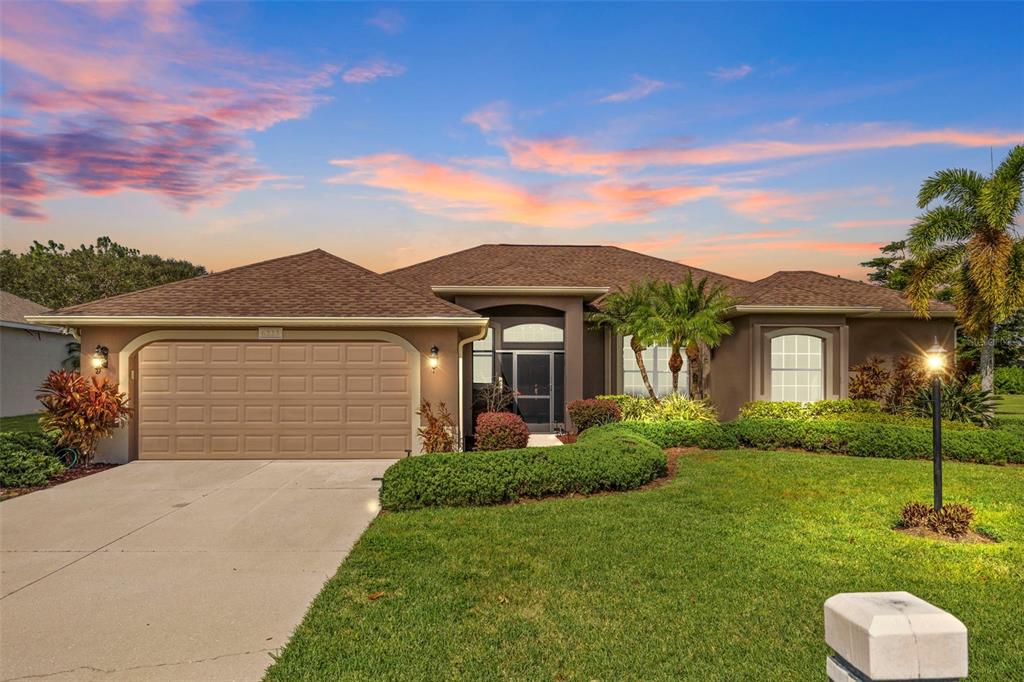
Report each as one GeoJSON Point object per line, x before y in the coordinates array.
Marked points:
{"type": "Point", "coordinates": [534, 382]}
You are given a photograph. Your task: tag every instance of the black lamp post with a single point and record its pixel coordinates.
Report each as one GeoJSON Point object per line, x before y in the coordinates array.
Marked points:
{"type": "Point", "coordinates": [936, 363]}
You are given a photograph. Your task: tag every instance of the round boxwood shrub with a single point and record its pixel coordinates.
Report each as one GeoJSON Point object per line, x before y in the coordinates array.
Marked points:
{"type": "Point", "coordinates": [501, 431]}
{"type": "Point", "coordinates": [593, 412]}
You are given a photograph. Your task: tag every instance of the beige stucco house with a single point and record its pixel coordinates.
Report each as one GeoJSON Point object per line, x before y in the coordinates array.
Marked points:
{"type": "Point", "coordinates": [28, 351]}
{"type": "Point", "coordinates": [311, 356]}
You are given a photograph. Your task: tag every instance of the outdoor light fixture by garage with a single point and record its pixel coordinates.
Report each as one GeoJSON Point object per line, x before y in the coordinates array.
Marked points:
{"type": "Point", "coordinates": [433, 358]}
{"type": "Point", "coordinates": [99, 358]}
{"type": "Point", "coordinates": [935, 361]}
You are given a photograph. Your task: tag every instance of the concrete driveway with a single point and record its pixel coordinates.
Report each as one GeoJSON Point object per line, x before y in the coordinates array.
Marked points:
{"type": "Point", "coordinates": [182, 570]}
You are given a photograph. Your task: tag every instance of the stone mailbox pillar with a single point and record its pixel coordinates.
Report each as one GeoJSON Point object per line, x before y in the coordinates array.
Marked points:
{"type": "Point", "coordinates": [892, 636]}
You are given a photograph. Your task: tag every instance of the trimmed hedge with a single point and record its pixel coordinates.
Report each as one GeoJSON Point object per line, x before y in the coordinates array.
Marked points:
{"type": "Point", "coordinates": [26, 459]}
{"type": "Point", "coordinates": [600, 460]}
{"type": "Point", "coordinates": [873, 439]}
{"type": "Point", "coordinates": [767, 409]}
{"type": "Point", "coordinates": [678, 434]}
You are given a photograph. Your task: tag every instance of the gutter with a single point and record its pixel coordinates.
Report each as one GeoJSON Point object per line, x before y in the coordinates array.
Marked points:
{"type": "Point", "coordinates": [224, 321]}
{"type": "Point", "coordinates": [857, 311]}
{"type": "Point", "coordinates": [520, 290]}
{"type": "Point", "coordinates": [31, 327]}
{"type": "Point", "coordinates": [462, 412]}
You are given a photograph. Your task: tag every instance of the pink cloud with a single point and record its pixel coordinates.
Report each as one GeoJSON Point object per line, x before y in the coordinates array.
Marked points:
{"type": "Point", "coordinates": [471, 195]}
{"type": "Point", "coordinates": [390, 21]}
{"type": "Point", "coordinates": [373, 70]}
{"type": "Point", "coordinates": [490, 117]}
{"type": "Point", "coordinates": [125, 97]}
{"type": "Point", "coordinates": [765, 206]}
{"type": "Point", "coordinates": [642, 87]}
{"type": "Point", "coordinates": [725, 73]}
{"type": "Point", "coordinates": [570, 155]}
{"type": "Point", "coordinates": [855, 224]}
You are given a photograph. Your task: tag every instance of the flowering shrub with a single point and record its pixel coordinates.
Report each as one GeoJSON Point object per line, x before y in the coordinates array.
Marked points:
{"type": "Point", "coordinates": [439, 433]}
{"type": "Point", "coordinates": [501, 431]}
{"type": "Point", "coordinates": [593, 412]}
{"type": "Point", "coordinates": [83, 411]}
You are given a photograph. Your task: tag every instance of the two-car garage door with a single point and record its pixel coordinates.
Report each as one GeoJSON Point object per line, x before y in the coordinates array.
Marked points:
{"type": "Point", "coordinates": [258, 400]}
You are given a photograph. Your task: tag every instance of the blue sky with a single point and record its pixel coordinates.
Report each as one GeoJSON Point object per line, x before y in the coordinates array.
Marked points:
{"type": "Point", "coordinates": [742, 138]}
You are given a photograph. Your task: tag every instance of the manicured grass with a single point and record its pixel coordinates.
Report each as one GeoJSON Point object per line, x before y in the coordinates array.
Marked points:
{"type": "Point", "coordinates": [28, 423]}
{"type": "Point", "coordinates": [1010, 405]}
{"type": "Point", "coordinates": [718, 575]}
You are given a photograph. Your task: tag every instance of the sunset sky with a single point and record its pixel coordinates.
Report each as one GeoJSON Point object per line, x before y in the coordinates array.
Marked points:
{"type": "Point", "coordinates": [742, 138]}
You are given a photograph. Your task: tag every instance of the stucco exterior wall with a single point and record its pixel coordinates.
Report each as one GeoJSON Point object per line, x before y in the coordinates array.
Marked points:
{"type": "Point", "coordinates": [440, 385]}
{"type": "Point", "coordinates": [730, 379]}
{"type": "Point", "coordinates": [888, 338]}
{"type": "Point", "coordinates": [26, 357]}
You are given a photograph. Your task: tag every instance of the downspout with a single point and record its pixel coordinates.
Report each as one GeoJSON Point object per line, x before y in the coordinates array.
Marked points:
{"type": "Point", "coordinates": [462, 411]}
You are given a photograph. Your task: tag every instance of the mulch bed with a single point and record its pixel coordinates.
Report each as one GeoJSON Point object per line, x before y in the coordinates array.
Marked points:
{"type": "Point", "coordinates": [69, 475]}
{"type": "Point", "coordinates": [567, 438]}
{"type": "Point", "coordinates": [968, 538]}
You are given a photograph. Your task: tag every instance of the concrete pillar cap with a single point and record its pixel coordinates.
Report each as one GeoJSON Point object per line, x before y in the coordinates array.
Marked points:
{"type": "Point", "coordinates": [896, 636]}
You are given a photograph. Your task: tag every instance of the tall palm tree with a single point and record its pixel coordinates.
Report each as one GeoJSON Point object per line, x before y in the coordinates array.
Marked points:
{"type": "Point", "coordinates": [970, 243]}
{"type": "Point", "coordinates": [689, 316]}
{"type": "Point", "coordinates": [630, 312]}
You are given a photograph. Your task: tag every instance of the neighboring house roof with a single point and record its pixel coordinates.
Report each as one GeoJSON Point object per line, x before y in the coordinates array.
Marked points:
{"type": "Point", "coordinates": [808, 288]}
{"type": "Point", "coordinates": [14, 310]}
{"type": "Point", "coordinates": [547, 266]}
{"type": "Point", "coordinates": [314, 284]}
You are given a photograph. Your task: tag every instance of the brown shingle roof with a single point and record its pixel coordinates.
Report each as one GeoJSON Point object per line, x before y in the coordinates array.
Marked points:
{"type": "Point", "coordinates": [15, 308]}
{"type": "Point", "coordinates": [311, 284]}
{"type": "Point", "coordinates": [808, 288]}
{"type": "Point", "coordinates": [610, 266]}
{"type": "Point", "coordinates": [536, 265]}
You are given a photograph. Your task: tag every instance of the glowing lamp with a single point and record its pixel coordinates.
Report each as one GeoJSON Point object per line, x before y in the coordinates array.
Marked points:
{"type": "Point", "coordinates": [99, 358]}
{"type": "Point", "coordinates": [433, 360]}
{"type": "Point", "coordinates": [935, 358]}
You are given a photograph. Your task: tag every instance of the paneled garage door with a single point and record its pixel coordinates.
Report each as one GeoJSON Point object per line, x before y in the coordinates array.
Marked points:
{"type": "Point", "coordinates": [235, 400]}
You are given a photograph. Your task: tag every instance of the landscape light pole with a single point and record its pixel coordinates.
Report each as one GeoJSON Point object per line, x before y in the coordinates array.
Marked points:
{"type": "Point", "coordinates": [935, 360]}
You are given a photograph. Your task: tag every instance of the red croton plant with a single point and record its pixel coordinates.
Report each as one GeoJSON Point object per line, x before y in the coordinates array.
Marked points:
{"type": "Point", "coordinates": [84, 411]}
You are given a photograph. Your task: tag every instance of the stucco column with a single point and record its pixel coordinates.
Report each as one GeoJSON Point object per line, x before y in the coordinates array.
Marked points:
{"type": "Point", "coordinates": [573, 355]}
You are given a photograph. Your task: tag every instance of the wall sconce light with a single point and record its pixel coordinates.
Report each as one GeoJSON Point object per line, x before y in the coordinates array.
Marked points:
{"type": "Point", "coordinates": [433, 358]}
{"type": "Point", "coordinates": [99, 358]}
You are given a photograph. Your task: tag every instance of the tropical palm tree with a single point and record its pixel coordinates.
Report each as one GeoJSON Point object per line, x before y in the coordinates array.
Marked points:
{"type": "Point", "coordinates": [630, 312]}
{"type": "Point", "coordinates": [970, 244]}
{"type": "Point", "coordinates": [689, 316]}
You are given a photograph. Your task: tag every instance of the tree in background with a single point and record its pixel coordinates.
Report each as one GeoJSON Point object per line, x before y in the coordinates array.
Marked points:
{"type": "Point", "coordinates": [630, 312]}
{"type": "Point", "coordinates": [55, 277]}
{"type": "Point", "coordinates": [969, 243]}
{"type": "Point", "coordinates": [689, 316]}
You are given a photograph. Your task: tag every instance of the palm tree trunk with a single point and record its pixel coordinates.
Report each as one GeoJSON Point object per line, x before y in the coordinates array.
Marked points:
{"type": "Point", "coordinates": [705, 370]}
{"type": "Point", "coordinates": [638, 351]}
{"type": "Point", "coordinates": [988, 354]}
{"type": "Point", "coordinates": [693, 355]}
{"type": "Point", "coordinates": [675, 365]}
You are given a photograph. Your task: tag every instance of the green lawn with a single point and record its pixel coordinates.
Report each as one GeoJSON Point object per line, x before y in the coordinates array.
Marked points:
{"type": "Point", "coordinates": [1010, 405]}
{"type": "Point", "coordinates": [24, 422]}
{"type": "Point", "coordinates": [718, 575]}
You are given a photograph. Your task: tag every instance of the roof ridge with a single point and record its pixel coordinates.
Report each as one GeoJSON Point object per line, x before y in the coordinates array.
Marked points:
{"type": "Point", "coordinates": [675, 262]}
{"type": "Point", "coordinates": [71, 308]}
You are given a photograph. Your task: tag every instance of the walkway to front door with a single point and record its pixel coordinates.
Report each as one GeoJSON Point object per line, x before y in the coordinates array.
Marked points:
{"type": "Point", "coordinates": [173, 570]}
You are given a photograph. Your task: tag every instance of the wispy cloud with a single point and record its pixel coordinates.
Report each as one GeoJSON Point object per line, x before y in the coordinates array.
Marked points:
{"type": "Point", "coordinates": [888, 222]}
{"type": "Point", "coordinates": [372, 70]}
{"type": "Point", "coordinates": [470, 195]}
{"type": "Point", "coordinates": [491, 117]}
{"type": "Point", "coordinates": [732, 73]}
{"type": "Point", "coordinates": [130, 97]}
{"type": "Point", "coordinates": [391, 21]}
{"type": "Point", "coordinates": [649, 245]}
{"type": "Point", "coordinates": [571, 155]}
{"type": "Point", "coordinates": [642, 87]}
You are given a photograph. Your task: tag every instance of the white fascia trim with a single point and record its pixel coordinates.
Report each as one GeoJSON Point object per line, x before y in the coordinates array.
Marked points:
{"type": "Point", "coordinates": [215, 321]}
{"type": "Point", "coordinates": [32, 327]}
{"type": "Point", "coordinates": [521, 290]}
{"type": "Point", "coordinates": [945, 314]}
{"type": "Point", "coordinates": [846, 310]}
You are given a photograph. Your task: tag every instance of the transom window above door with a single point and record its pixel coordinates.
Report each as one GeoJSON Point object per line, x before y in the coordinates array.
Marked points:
{"type": "Point", "coordinates": [533, 332]}
{"type": "Point", "coordinates": [797, 368]}
{"type": "Point", "coordinates": [656, 364]}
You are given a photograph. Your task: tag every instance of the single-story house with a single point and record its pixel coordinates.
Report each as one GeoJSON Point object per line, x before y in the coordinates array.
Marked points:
{"type": "Point", "coordinates": [312, 356]}
{"type": "Point", "coordinates": [28, 351]}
